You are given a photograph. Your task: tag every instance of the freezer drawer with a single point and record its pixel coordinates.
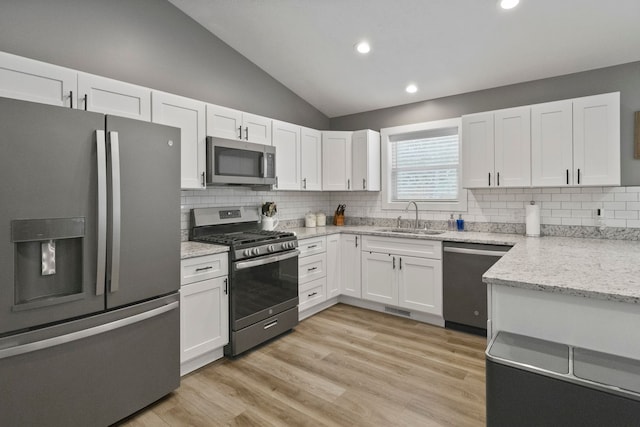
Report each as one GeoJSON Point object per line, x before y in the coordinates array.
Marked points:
{"type": "Point", "coordinates": [94, 380]}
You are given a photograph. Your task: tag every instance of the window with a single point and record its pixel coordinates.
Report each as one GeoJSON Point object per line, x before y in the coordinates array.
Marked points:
{"type": "Point", "coordinates": [422, 163]}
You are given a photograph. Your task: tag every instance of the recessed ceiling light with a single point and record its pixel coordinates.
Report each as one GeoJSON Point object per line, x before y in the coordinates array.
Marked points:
{"type": "Point", "coordinates": [509, 4]}
{"type": "Point", "coordinates": [412, 88]}
{"type": "Point", "coordinates": [363, 47]}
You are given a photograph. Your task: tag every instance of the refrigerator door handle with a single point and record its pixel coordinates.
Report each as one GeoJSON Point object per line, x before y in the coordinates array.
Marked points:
{"type": "Point", "coordinates": [102, 211]}
{"type": "Point", "coordinates": [85, 333]}
{"type": "Point", "coordinates": [115, 213]}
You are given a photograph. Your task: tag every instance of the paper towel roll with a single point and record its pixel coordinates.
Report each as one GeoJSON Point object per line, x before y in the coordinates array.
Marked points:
{"type": "Point", "coordinates": [533, 220]}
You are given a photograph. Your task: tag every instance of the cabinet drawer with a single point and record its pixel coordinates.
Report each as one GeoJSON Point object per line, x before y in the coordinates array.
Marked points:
{"type": "Point", "coordinates": [312, 267]}
{"type": "Point", "coordinates": [312, 293]}
{"type": "Point", "coordinates": [410, 247]}
{"type": "Point", "coordinates": [203, 268]}
{"type": "Point", "coordinates": [314, 245]}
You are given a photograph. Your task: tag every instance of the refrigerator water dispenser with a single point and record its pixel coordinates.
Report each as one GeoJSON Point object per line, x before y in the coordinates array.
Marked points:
{"type": "Point", "coordinates": [48, 261]}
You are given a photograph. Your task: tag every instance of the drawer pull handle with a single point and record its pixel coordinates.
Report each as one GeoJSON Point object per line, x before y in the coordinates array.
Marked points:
{"type": "Point", "coordinates": [312, 268]}
{"type": "Point", "coordinates": [203, 268]}
{"type": "Point", "coordinates": [312, 294]}
{"type": "Point", "coordinates": [312, 246]}
{"type": "Point", "coordinates": [270, 325]}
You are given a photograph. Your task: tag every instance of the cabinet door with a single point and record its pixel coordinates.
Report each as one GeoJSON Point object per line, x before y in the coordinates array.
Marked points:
{"type": "Point", "coordinates": [286, 139]}
{"type": "Point", "coordinates": [596, 140]}
{"type": "Point", "coordinates": [333, 265]}
{"type": "Point", "coordinates": [256, 129]}
{"type": "Point", "coordinates": [420, 284]}
{"type": "Point", "coordinates": [366, 160]}
{"type": "Point", "coordinates": [477, 151]}
{"type": "Point", "coordinates": [204, 318]}
{"type": "Point", "coordinates": [350, 283]}
{"type": "Point", "coordinates": [223, 122]}
{"type": "Point", "coordinates": [512, 147]}
{"type": "Point", "coordinates": [551, 144]}
{"type": "Point", "coordinates": [108, 96]}
{"type": "Point", "coordinates": [188, 115]}
{"type": "Point", "coordinates": [379, 277]}
{"type": "Point", "coordinates": [311, 159]}
{"type": "Point", "coordinates": [336, 161]}
{"type": "Point", "coordinates": [35, 81]}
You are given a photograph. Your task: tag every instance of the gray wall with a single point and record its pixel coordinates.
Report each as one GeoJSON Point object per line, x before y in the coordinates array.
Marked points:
{"type": "Point", "coordinates": [150, 43]}
{"type": "Point", "coordinates": [624, 78]}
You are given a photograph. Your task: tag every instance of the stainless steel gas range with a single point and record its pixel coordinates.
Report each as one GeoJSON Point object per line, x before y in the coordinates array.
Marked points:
{"type": "Point", "coordinates": [263, 270]}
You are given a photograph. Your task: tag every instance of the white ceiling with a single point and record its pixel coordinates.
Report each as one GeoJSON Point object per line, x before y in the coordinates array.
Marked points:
{"type": "Point", "coordinates": [445, 47]}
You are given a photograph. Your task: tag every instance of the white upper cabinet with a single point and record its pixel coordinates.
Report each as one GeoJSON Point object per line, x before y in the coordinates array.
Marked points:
{"type": "Point", "coordinates": [477, 150]}
{"type": "Point", "coordinates": [496, 148]}
{"type": "Point", "coordinates": [188, 115]}
{"type": "Point", "coordinates": [228, 123]}
{"type": "Point", "coordinates": [109, 96]}
{"type": "Point", "coordinates": [512, 149]}
{"type": "Point", "coordinates": [286, 139]}
{"type": "Point", "coordinates": [311, 159]}
{"type": "Point", "coordinates": [336, 160]}
{"type": "Point", "coordinates": [366, 160]}
{"type": "Point", "coordinates": [596, 139]}
{"type": "Point", "coordinates": [552, 144]}
{"type": "Point", "coordinates": [576, 142]}
{"type": "Point", "coordinates": [35, 81]}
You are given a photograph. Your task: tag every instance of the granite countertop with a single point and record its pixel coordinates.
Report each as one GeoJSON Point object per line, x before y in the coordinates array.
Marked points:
{"type": "Point", "coordinates": [592, 268]}
{"type": "Point", "coordinates": [195, 249]}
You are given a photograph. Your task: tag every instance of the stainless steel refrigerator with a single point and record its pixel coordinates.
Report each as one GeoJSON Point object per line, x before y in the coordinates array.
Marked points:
{"type": "Point", "coordinates": [89, 265]}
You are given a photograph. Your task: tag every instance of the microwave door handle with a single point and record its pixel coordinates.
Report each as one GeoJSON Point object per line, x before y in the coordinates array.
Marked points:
{"type": "Point", "coordinates": [264, 165]}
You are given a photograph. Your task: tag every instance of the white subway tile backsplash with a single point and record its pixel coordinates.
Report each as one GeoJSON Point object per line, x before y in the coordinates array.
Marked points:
{"type": "Point", "coordinates": [626, 197]}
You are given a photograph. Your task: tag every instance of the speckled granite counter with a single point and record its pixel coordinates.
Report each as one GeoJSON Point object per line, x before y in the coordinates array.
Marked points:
{"type": "Point", "coordinates": [592, 268]}
{"type": "Point", "coordinates": [195, 249]}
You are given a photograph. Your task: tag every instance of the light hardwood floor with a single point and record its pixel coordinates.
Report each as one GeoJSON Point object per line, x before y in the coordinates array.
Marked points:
{"type": "Point", "coordinates": [345, 366]}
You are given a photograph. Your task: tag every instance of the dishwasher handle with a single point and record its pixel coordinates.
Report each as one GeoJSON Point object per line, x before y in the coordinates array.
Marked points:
{"type": "Point", "coordinates": [467, 251]}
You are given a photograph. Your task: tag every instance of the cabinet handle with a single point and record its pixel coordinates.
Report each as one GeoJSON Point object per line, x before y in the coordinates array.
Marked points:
{"type": "Point", "coordinates": [203, 268]}
{"type": "Point", "coordinates": [240, 134]}
{"type": "Point", "coordinates": [304, 184]}
{"type": "Point", "coordinates": [71, 98]}
{"type": "Point", "coordinates": [312, 246]}
{"type": "Point", "coordinates": [312, 269]}
{"type": "Point", "coordinates": [246, 133]}
{"type": "Point", "coordinates": [394, 263]}
{"type": "Point", "coordinates": [312, 294]}
{"type": "Point", "coordinates": [276, 182]}
{"type": "Point", "coordinates": [202, 177]}
{"type": "Point", "coordinates": [85, 102]}
{"type": "Point", "coordinates": [498, 179]}
{"type": "Point", "coordinates": [348, 184]}
{"type": "Point", "coordinates": [489, 179]}
{"type": "Point", "coordinates": [364, 183]}
{"type": "Point", "coordinates": [578, 175]}
{"type": "Point", "coordinates": [356, 241]}
{"type": "Point", "coordinates": [567, 176]}
{"type": "Point", "coordinates": [400, 263]}
{"type": "Point", "coordinates": [226, 284]}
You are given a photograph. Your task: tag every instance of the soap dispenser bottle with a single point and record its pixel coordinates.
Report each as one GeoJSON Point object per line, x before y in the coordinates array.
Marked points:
{"type": "Point", "coordinates": [451, 223]}
{"type": "Point", "coordinates": [460, 223]}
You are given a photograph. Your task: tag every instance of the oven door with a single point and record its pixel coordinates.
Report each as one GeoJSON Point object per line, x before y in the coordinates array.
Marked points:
{"type": "Point", "coordinates": [261, 287]}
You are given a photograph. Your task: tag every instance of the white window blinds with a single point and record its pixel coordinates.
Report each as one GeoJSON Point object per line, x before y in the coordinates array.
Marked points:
{"type": "Point", "coordinates": [425, 165]}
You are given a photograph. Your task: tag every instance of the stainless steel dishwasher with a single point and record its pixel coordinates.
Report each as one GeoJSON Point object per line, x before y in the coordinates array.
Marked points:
{"type": "Point", "coordinates": [464, 294]}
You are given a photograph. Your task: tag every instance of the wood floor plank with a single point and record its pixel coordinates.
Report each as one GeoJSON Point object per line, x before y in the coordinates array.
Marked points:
{"type": "Point", "coordinates": [345, 366]}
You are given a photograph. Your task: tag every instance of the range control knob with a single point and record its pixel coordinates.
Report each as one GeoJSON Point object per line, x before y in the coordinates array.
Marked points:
{"type": "Point", "coordinates": [271, 248]}
{"type": "Point", "coordinates": [256, 251]}
{"type": "Point", "coordinates": [247, 252]}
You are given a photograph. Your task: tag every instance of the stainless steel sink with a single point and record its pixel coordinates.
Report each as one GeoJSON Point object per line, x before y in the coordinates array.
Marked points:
{"type": "Point", "coordinates": [409, 231]}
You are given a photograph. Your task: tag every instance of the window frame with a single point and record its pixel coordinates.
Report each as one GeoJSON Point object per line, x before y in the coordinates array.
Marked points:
{"type": "Point", "coordinates": [459, 205]}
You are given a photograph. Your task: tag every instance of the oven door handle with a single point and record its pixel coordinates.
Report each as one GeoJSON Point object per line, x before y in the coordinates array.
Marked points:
{"type": "Point", "coordinates": [265, 260]}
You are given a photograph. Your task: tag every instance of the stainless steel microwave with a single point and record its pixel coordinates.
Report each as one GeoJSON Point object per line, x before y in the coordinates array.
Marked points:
{"type": "Point", "coordinates": [231, 162]}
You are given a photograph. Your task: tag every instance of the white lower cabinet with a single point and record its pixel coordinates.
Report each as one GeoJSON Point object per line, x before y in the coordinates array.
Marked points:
{"type": "Point", "coordinates": [312, 272]}
{"type": "Point", "coordinates": [333, 265]}
{"type": "Point", "coordinates": [204, 311]}
{"type": "Point", "coordinates": [395, 278]}
{"type": "Point", "coordinates": [350, 283]}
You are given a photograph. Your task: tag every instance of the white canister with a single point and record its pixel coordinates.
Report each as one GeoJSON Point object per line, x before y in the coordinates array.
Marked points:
{"type": "Point", "coordinates": [532, 220]}
{"type": "Point", "coordinates": [321, 219]}
{"type": "Point", "coordinates": [269, 222]}
{"type": "Point", "coordinates": [310, 220]}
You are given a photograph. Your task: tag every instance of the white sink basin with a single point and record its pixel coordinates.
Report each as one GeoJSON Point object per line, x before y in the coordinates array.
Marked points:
{"type": "Point", "coordinates": [410, 231]}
